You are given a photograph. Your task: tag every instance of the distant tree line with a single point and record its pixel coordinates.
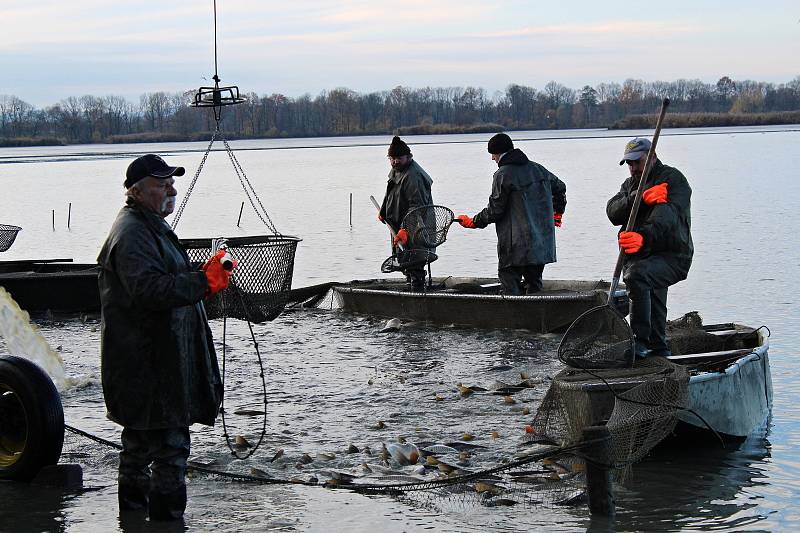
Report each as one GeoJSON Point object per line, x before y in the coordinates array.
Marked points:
{"type": "Point", "coordinates": [161, 116]}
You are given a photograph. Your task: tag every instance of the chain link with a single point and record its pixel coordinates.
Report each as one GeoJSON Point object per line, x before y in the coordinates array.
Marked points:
{"type": "Point", "coordinates": [185, 200]}
{"type": "Point", "coordinates": [248, 188]}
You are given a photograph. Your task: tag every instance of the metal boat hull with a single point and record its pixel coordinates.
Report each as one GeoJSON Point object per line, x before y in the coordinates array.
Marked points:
{"type": "Point", "coordinates": [734, 402]}
{"type": "Point", "coordinates": [554, 309]}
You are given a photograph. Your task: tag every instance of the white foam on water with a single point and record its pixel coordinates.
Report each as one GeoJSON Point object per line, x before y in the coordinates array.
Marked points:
{"type": "Point", "coordinates": [24, 339]}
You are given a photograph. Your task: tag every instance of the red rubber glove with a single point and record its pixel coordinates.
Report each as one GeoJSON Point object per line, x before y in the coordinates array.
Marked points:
{"type": "Point", "coordinates": [380, 218]}
{"type": "Point", "coordinates": [466, 221]}
{"type": "Point", "coordinates": [401, 237]}
{"type": "Point", "coordinates": [218, 278]}
{"type": "Point", "coordinates": [656, 194]}
{"type": "Point", "coordinates": [557, 219]}
{"type": "Point", "coordinates": [630, 241]}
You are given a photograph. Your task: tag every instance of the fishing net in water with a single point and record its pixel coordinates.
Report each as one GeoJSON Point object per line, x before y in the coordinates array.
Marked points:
{"type": "Point", "coordinates": [427, 226]}
{"type": "Point", "coordinates": [638, 405]}
{"type": "Point", "coordinates": [599, 338]}
{"type": "Point", "coordinates": [408, 259]}
{"type": "Point", "coordinates": [7, 236]}
{"type": "Point", "coordinates": [544, 477]}
{"type": "Point", "coordinates": [260, 284]}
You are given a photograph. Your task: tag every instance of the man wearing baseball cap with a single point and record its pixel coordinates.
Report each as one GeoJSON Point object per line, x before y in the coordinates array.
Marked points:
{"type": "Point", "coordinates": [658, 250]}
{"type": "Point", "coordinates": [158, 365]}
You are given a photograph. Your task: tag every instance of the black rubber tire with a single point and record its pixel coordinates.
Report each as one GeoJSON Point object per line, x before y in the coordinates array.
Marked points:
{"type": "Point", "coordinates": [31, 419]}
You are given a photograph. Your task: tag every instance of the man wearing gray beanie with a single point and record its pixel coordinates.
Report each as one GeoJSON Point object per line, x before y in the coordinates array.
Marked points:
{"type": "Point", "coordinates": [526, 205]}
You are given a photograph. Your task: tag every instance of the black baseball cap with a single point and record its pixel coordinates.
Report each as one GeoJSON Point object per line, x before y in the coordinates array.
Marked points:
{"type": "Point", "coordinates": [150, 165]}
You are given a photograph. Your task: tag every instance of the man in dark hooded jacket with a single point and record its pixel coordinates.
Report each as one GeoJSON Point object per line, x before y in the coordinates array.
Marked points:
{"type": "Point", "coordinates": [409, 187]}
{"type": "Point", "coordinates": [526, 204]}
{"type": "Point", "coordinates": [158, 365]}
{"type": "Point", "coordinates": [658, 249]}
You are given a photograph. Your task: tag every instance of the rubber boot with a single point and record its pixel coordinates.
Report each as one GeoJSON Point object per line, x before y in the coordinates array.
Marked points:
{"type": "Point", "coordinates": [167, 506]}
{"type": "Point", "coordinates": [132, 496]}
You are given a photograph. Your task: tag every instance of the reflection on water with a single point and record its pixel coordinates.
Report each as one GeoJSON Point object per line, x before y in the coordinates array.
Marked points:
{"type": "Point", "coordinates": [701, 486]}
{"type": "Point", "coordinates": [331, 376]}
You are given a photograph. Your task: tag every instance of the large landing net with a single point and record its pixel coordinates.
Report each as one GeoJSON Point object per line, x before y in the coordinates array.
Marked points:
{"type": "Point", "coordinates": [7, 236]}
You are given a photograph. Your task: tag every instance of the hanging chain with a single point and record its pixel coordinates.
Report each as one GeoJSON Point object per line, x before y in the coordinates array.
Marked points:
{"type": "Point", "coordinates": [248, 188]}
{"type": "Point", "coordinates": [249, 191]}
{"type": "Point", "coordinates": [179, 212]}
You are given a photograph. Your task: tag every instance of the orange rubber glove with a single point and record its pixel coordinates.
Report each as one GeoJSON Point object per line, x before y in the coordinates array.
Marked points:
{"type": "Point", "coordinates": [218, 278]}
{"type": "Point", "coordinates": [656, 194]}
{"type": "Point", "coordinates": [401, 237]}
{"type": "Point", "coordinates": [380, 218]}
{"type": "Point", "coordinates": [466, 221]}
{"type": "Point", "coordinates": [630, 241]}
{"type": "Point", "coordinates": [557, 219]}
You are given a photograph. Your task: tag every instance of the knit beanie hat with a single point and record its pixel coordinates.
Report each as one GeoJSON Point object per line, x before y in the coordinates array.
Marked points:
{"type": "Point", "coordinates": [500, 144]}
{"type": "Point", "coordinates": [398, 148]}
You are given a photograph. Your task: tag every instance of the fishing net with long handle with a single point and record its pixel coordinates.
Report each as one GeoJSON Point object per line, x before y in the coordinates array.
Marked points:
{"type": "Point", "coordinates": [601, 337]}
{"type": "Point", "coordinates": [404, 258]}
{"type": "Point", "coordinates": [427, 225]}
{"type": "Point", "coordinates": [8, 234]}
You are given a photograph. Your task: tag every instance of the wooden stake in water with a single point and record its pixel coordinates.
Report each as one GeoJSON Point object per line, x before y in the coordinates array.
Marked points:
{"type": "Point", "coordinates": [69, 214]}
{"type": "Point", "coordinates": [240, 215]}
{"type": "Point", "coordinates": [351, 210]}
{"type": "Point", "coordinates": [54, 219]}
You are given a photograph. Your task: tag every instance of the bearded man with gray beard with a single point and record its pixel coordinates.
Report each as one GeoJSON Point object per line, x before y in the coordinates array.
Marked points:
{"type": "Point", "coordinates": [158, 364]}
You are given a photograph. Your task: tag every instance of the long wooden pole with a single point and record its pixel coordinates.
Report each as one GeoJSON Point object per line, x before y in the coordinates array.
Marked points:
{"type": "Point", "coordinates": [648, 166]}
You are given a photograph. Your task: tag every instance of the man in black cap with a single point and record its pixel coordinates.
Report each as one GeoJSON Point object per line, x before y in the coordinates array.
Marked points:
{"type": "Point", "coordinates": [409, 186]}
{"type": "Point", "coordinates": [158, 364]}
{"type": "Point", "coordinates": [658, 249]}
{"type": "Point", "coordinates": [526, 204]}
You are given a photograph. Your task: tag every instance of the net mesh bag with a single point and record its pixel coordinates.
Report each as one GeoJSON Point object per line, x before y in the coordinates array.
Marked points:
{"type": "Point", "coordinates": [408, 259]}
{"type": "Point", "coordinates": [427, 226]}
{"type": "Point", "coordinates": [599, 338]}
{"type": "Point", "coordinates": [260, 284]}
{"type": "Point", "coordinates": [638, 405]}
{"type": "Point", "coordinates": [7, 236]}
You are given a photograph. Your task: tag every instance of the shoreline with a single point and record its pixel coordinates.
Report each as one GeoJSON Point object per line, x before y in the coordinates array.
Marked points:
{"type": "Point", "coordinates": [632, 122]}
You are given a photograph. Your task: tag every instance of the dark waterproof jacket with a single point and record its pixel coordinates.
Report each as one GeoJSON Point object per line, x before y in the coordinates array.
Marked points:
{"type": "Point", "coordinates": [158, 364]}
{"type": "Point", "coordinates": [405, 190]}
{"type": "Point", "coordinates": [524, 196]}
{"type": "Point", "coordinates": [666, 228]}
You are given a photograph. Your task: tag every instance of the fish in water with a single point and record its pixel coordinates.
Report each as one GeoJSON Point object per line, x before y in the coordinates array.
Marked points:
{"type": "Point", "coordinates": [439, 449]}
{"type": "Point", "coordinates": [404, 453]}
{"type": "Point", "coordinates": [574, 498]}
{"type": "Point", "coordinates": [257, 472]}
{"type": "Point", "coordinates": [392, 325]}
{"type": "Point", "coordinates": [306, 459]}
{"type": "Point", "coordinates": [500, 502]}
{"type": "Point", "coordinates": [278, 454]}
{"type": "Point", "coordinates": [491, 488]}
{"type": "Point", "coordinates": [326, 456]}
{"type": "Point", "coordinates": [241, 442]}
{"type": "Point", "coordinates": [461, 446]}
{"type": "Point", "coordinates": [467, 390]}
{"type": "Point", "coordinates": [248, 412]}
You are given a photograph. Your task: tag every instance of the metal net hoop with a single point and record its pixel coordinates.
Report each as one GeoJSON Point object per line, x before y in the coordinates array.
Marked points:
{"type": "Point", "coordinates": [410, 258]}
{"type": "Point", "coordinates": [599, 338]}
{"type": "Point", "coordinates": [427, 226]}
{"type": "Point", "coordinates": [260, 284]}
{"type": "Point", "coordinates": [7, 235]}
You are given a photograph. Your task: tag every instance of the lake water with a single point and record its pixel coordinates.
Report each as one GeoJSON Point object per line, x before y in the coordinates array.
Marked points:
{"type": "Point", "coordinates": [331, 376]}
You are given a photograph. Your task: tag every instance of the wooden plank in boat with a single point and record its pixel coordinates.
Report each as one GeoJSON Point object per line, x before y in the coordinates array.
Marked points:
{"type": "Point", "coordinates": [693, 358]}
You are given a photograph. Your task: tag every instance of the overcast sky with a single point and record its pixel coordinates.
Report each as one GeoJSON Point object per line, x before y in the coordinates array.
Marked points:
{"type": "Point", "coordinates": [52, 49]}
